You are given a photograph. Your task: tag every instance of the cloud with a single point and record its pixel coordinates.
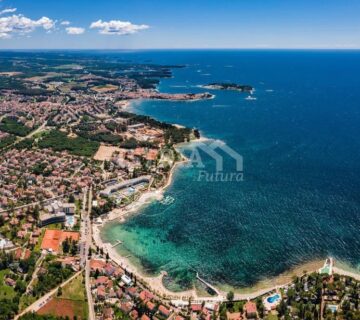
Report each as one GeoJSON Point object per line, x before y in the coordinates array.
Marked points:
{"type": "Point", "coordinates": [12, 10]}
{"type": "Point", "coordinates": [19, 24]}
{"type": "Point", "coordinates": [75, 30]}
{"type": "Point", "coordinates": [117, 27]}
{"type": "Point", "coordinates": [65, 23]}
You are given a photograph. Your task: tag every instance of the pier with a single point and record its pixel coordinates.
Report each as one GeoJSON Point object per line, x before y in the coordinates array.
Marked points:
{"type": "Point", "coordinates": [116, 243]}
{"type": "Point", "coordinates": [207, 284]}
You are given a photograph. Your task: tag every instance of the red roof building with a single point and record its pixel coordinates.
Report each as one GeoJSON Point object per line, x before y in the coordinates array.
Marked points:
{"type": "Point", "coordinates": [250, 309]}
{"type": "Point", "coordinates": [164, 311]}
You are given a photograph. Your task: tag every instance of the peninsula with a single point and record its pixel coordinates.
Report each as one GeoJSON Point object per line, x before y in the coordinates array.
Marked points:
{"type": "Point", "coordinates": [228, 86]}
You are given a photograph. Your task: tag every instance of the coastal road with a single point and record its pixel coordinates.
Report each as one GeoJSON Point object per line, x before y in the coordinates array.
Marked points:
{"type": "Point", "coordinates": [83, 241]}
{"type": "Point", "coordinates": [46, 298]}
{"type": "Point", "coordinates": [87, 238]}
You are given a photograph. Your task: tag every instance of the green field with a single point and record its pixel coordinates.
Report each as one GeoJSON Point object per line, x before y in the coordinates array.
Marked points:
{"type": "Point", "coordinates": [75, 290]}
{"type": "Point", "coordinates": [272, 317]}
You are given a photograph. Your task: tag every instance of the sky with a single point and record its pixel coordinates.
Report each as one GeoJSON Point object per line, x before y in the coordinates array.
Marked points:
{"type": "Point", "coordinates": [179, 24]}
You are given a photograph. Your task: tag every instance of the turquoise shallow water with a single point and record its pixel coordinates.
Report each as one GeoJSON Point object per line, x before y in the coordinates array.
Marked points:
{"type": "Point", "coordinates": [300, 142]}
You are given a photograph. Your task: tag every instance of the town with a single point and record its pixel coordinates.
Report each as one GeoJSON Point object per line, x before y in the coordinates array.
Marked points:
{"type": "Point", "coordinates": [71, 155]}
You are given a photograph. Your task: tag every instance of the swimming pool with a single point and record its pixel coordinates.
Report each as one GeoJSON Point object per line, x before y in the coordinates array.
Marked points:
{"type": "Point", "coordinates": [273, 299]}
{"type": "Point", "coordinates": [70, 221]}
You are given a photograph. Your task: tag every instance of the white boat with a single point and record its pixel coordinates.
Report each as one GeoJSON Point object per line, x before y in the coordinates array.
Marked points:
{"type": "Point", "coordinates": [250, 98]}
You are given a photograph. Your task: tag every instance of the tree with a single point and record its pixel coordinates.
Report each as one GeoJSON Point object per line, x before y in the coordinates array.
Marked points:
{"type": "Point", "coordinates": [97, 273]}
{"type": "Point", "coordinates": [308, 315]}
{"type": "Point", "coordinates": [282, 308]}
{"type": "Point", "coordinates": [59, 292]}
{"type": "Point", "coordinates": [66, 245]}
{"type": "Point", "coordinates": [230, 296]}
{"type": "Point", "coordinates": [20, 286]}
{"type": "Point", "coordinates": [260, 307]}
{"type": "Point", "coordinates": [71, 198]}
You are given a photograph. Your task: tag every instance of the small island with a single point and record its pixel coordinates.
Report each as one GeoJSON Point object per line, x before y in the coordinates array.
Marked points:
{"type": "Point", "coordinates": [228, 86]}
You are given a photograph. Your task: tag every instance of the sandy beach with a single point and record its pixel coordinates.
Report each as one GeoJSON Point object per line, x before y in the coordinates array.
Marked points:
{"type": "Point", "coordinates": [155, 283]}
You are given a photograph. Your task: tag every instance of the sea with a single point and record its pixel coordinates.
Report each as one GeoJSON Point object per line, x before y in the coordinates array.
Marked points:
{"type": "Point", "coordinates": [298, 195]}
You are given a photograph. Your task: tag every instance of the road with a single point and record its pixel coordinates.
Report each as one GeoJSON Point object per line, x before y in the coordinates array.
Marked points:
{"type": "Point", "coordinates": [44, 299]}
{"type": "Point", "coordinates": [83, 230]}
{"type": "Point", "coordinates": [33, 204]}
{"type": "Point", "coordinates": [86, 239]}
{"type": "Point", "coordinates": [34, 275]}
{"type": "Point", "coordinates": [32, 133]}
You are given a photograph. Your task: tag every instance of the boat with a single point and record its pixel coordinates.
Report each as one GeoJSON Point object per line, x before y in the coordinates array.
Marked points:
{"type": "Point", "coordinates": [250, 98]}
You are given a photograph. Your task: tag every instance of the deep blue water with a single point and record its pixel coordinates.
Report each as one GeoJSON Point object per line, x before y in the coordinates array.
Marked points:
{"type": "Point", "coordinates": [300, 198]}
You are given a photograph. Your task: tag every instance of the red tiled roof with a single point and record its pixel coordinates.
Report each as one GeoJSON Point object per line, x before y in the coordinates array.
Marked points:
{"type": "Point", "coordinates": [233, 316]}
{"type": "Point", "coordinates": [101, 280]}
{"type": "Point", "coordinates": [146, 295]}
{"type": "Point", "coordinates": [165, 311]}
{"type": "Point", "coordinates": [126, 307]}
{"type": "Point", "coordinates": [150, 305]}
{"type": "Point", "coordinates": [134, 314]}
{"type": "Point", "coordinates": [250, 307]}
{"type": "Point", "coordinates": [18, 253]}
{"type": "Point", "coordinates": [196, 307]}
{"type": "Point", "coordinates": [27, 254]}
{"type": "Point", "coordinates": [97, 264]}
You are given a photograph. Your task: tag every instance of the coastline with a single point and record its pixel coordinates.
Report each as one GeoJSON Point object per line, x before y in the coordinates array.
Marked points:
{"type": "Point", "coordinates": [155, 283]}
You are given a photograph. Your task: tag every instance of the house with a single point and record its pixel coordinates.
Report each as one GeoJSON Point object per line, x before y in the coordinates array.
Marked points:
{"type": "Point", "coordinates": [126, 307]}
{"type": "Point", "coordinates": [97, 265]}
{"type": "Point", "coordinates": [144, 317]}
{"type": "Point", "coordinates": [150, 306]}
{"type": "Point", "coordinates": [102, 280]}
{"type": "Point", "coordinates": [151, 155]}
{"type": "Point", "coordinates": [100, 293]}
{"type": "Point", "coordinates": [134, 314]}
{"type": "Point", "coordinates": [27, 254]}
{"type": "Point", "coordinates": [197, 308]}
{"type": "Point", "coordinates": [18, 254]}
{"type": "Point", "coordinates": [233, 316]}
{"type": "Point", "coordinates": [10, 282]}
{"type": "Point", "coordinates": [109, 269]}
{"type": "Point", "coordinates": [108, 314]}
{"type": "Point", "coordinates": [21, 234]}
{"type": "Point", "coordinates": [145, 295]}
{"type": "Point", "coordinates": [131, 291]}
{"type": "Point", "coordinates": [164, 311]}
{"type": "Point", "coordinates": [250, 309]}
{"type": "Point", "coordinates": [119, 293]}
{"type": "Point", "coordinates": [127, 280]}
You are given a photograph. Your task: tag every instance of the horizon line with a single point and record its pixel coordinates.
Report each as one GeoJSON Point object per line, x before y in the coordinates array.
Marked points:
{"type": "Point", "coordinates": [180, 49]}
